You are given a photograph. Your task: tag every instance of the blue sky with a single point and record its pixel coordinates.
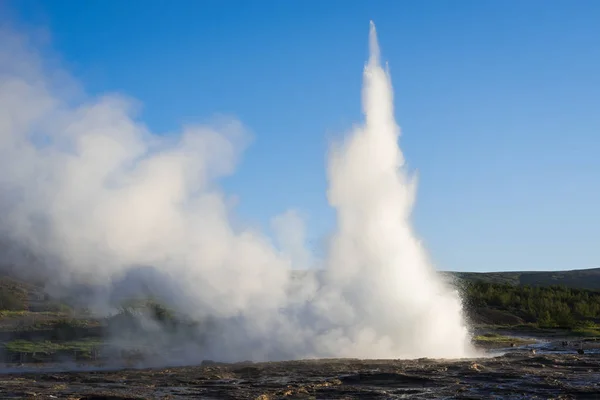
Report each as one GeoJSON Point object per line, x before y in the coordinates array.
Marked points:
{"type": "Point", "coordinates": [498, 103]}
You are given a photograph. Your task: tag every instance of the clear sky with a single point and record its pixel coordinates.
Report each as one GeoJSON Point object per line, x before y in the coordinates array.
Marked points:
{"type": "Point", "coordinates": [498, 102]}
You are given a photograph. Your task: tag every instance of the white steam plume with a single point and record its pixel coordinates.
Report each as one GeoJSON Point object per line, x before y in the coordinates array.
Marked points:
{"type": "Point", "coordinates": [390, 292]}
{"type": "Point", "coordinates": [290, 233]}
{"type": "Point", "coordinates": [94, 198]}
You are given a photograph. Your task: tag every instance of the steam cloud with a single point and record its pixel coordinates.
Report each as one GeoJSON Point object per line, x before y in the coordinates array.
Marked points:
{"type": "Point", "coordinates": [92, 197]}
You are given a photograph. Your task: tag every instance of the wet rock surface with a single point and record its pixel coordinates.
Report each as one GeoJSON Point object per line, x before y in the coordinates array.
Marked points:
{"type": "Point", "coordinates": [518, 374]}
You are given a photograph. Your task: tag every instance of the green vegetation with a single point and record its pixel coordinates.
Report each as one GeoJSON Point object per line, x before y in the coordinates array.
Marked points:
{"type": "Point", "coordinates": [590, 331]}
{"type": "Point", "coordinates": [549, 302]}
{"type": "Point", "coordinates": [48, 347]}
{"type": "Point", "coordinates": [544, 307]}
{"type": "Point", "coordinates": [494, 338]}
{"type": "Point", "coordinates": [7, 313]}
{"type": "Point", "coordinates": [45, 350]}
{"type": "Point", "coordinates": [577, 279]}
{"type": "Point", "coordinates": [13, 295]}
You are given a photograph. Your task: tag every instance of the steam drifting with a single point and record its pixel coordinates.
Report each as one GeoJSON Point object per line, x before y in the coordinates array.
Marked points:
{"type": "Point", "coordinates": [88, 196]}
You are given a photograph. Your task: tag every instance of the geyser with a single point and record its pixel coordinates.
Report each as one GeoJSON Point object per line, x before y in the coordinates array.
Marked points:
{"type": "Point", "coordinates": [89, 198]}
{"type": "Point", "coordinates": [391, 293]}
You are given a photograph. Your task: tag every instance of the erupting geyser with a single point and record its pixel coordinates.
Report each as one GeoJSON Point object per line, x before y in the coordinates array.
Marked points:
{"type": "Point", "coordinates": [395, 300]}
{"type": "Point", "coordinates": [90, 195]}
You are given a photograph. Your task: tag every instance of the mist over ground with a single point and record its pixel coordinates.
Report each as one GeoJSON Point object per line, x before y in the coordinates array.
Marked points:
{"type": "Point", "coordinates": [100, 207]}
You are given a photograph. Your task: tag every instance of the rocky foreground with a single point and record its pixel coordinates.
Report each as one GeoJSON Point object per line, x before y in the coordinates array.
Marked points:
{"type": "Point", "coordinates": [552, 371]}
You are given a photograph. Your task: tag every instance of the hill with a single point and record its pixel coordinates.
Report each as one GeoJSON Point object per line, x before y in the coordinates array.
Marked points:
{"type": "Point", "coordinates": [18, 294]}
{"type": "Point", "coordinates": [578, 279]}
{"type": "Point", "coordinates": [30, 320]}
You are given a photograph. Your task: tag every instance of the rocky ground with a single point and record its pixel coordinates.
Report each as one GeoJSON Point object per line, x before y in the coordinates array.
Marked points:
{"type": "Point", "coordinates": [553, 370]}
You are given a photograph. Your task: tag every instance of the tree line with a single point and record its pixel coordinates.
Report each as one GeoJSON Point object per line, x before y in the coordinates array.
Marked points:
{"type": "Point", "coordinates": [550, 306]}
{"type": "Point", "coordinates": [546, 306]}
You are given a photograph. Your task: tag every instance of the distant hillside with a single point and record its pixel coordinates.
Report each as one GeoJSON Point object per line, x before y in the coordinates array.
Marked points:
{"type": "Point", "coordinates": [580, 279]}
{"type": "Point", "coordinates": [20, 294]}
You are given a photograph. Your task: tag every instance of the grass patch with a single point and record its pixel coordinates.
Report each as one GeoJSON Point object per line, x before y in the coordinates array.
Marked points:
{"type": "Point", "coordinates": [493, 337]}
{"type": "Point", "coordinates": [536, 328]}
{"type": "Point", "coordinates": [490, 339]}
{"type": "Point", "coordinates": [16, 314]}
{"type": "Point", "coordinates": [65, 325]}
{"type": "Point", "coordinates": [587, 331]}
{"type": "Point", "coordinates": [48, 347]}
